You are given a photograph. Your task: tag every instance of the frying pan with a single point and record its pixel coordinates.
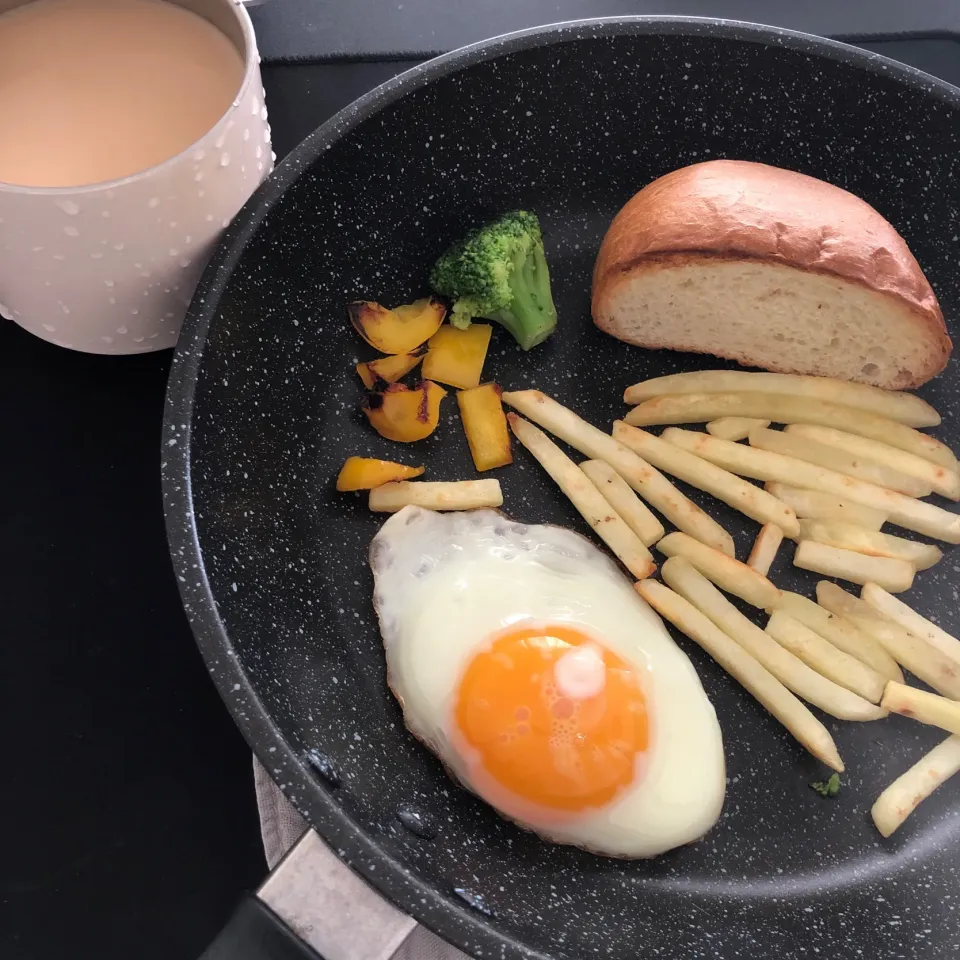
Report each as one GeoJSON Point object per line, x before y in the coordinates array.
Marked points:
{"type": "Point", "coordinates": [569, 120]}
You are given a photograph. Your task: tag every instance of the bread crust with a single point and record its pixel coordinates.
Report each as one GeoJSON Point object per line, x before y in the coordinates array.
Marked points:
{"type": "Point", "coordinates": [740, 210]}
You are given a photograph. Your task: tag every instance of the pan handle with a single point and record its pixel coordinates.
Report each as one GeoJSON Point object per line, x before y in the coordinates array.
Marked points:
{"type": "Point", "coordinates": [313, 907]}
{"type": "Point", "coordinates": [255, 932]}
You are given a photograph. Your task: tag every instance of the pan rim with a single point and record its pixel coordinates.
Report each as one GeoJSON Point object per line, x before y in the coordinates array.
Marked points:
{"type": "Point", "coordinates": [438, 911]}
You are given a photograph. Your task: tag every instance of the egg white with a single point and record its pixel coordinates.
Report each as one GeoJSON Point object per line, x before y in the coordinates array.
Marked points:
{"type": "Point", "coordinates": [445, 583]}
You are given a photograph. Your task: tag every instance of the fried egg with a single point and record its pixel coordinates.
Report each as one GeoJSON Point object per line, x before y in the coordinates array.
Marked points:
{"type": "Point", "coordinates": [525, 660]}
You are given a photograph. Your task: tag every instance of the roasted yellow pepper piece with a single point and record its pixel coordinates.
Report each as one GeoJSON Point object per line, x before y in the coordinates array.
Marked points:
{"type": "Point", "coordinates": [389, 369]}
{"type": "Point", "coordinates": [398, 330]}
{"type": "Point", "coordinates": [456, 356]}
{"type": "Point", "coordinates": [365, 473]}
{"type": "Point", "coordinates": [404, 414]}
{"type": "Point", "coordinates": [485, 426]}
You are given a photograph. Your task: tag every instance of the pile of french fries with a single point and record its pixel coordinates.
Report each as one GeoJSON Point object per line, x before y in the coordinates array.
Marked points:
{"type": "Point", "coordinates": [850, 459]}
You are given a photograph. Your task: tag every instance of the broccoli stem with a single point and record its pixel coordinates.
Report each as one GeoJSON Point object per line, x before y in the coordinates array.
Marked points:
{"type": "Point", "coordinates": [531, 317]}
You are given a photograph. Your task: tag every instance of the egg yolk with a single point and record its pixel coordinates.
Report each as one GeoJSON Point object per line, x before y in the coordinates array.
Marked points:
{"type": "Point", "coordinates": [555, 718]}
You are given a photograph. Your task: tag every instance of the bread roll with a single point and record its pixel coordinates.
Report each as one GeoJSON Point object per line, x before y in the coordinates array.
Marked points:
{"type": "Point", "coordinates": [773, 269]}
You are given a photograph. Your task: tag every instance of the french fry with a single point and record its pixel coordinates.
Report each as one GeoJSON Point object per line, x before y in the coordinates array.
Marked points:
{"type": "Point", "coordinates": [765, 548]}
{"type": "Point", "coordinates": [908, 791]}
{"type": "Point", "coordinates": [921, 556]}
{"type": "Point", "coordinates": [780, 408]}
{"type": "Point", "coordinates": [926, 707]}
{"type": "Point", "coordinates": [652, 485]}
{"type": "Point", "coordinates": [636, 514]}
{"type": "Point", "coordinates": [840, 461]}
{"type": "Point", "coordinates": [728, 487]}
{"type": "Point", "coordinates": [580, 491]}
{"type": "Point", "coordinates": [726, 572]}
{"type": "Point", "coordinates": [916, 515]}
{"type": "Point", "coordinates": [902, 407]}
{"type": "Point", "coordinates": [842, 633]}
{"type": "Point", "coordinates": [924, 661]}
{"type": "Point", "coordinates": [911, 621]}
{"type": "Point", "coordinates": [754, 677]}
{"type": "Point", "coordinates": [791, 671]}
{"type": "Point", "coordinates": [939, 479]}
{"type": "Point", "coordinates": [825, 658]}
{"type": "Point", "coordinates": [895, 575]}
{"type": "Point", "coordinates": [734, 428]}
{"type": "Point", "coordinates": [436, 495]}
{"type": "Point", "coordinates": [814, 505]}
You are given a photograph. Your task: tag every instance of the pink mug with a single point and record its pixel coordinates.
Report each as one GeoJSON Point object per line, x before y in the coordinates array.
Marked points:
{"type": "Point", "coordinates": [110, 268]}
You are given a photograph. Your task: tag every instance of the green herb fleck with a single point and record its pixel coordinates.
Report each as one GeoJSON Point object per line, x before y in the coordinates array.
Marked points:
{"type": "Point", "coordinates": [829, 787]}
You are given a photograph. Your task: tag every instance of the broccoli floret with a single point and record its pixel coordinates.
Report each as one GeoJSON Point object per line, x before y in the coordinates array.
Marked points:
{"type": "Point", "coordinates": [499, 272]}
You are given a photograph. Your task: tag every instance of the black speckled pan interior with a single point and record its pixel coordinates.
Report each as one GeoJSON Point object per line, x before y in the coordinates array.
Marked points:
{"type": "Point", "coordinates": [569, 121]}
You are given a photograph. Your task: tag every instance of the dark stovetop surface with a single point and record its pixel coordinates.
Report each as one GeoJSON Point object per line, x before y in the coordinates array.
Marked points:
{"type": "Point", "coordinates": [325, 29]}
{"type": "Point", "coordinates": [128, 819]}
